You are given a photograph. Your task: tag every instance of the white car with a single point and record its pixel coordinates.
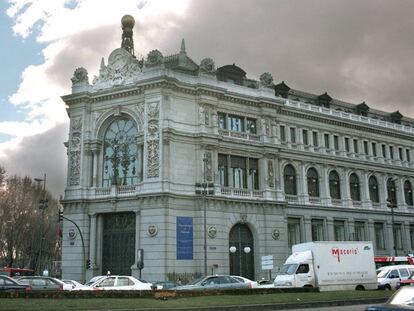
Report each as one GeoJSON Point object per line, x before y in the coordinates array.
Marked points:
{"type": "Point", "coordinates": [241, 279]}
{"type": "Point", "coordinates": [117, 282]}
{"type": "Point", "coordinates": [74, 284]}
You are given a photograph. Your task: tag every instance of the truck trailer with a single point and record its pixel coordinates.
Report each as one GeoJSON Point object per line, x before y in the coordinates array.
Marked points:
{"type": "Point", "coordinates": [329, 265]}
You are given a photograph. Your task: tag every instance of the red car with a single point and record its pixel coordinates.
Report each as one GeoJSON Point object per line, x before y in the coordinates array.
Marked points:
{"type": "Point", "coordinates": [408, 281]}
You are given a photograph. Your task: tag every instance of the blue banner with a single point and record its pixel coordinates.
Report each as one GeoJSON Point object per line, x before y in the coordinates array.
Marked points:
{"type": "Point", "coordinates": [184, 238]}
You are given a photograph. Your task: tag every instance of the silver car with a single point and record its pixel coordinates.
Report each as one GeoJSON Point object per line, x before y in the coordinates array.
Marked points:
{"type": "Point", "coordinates": [213, 282]}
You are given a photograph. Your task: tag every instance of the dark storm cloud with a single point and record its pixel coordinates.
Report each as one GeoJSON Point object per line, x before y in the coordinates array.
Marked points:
{"type": "Point", "coordinates": [356, 50]}
{"type": "Point", "coordinates": [39, 154]}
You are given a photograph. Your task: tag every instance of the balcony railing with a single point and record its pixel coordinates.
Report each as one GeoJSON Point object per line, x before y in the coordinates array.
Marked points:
{"type": "Point", "coordinates": [314, 200]}
{"type": "Point", "coordinates": [240, 192]}
{"type": "Point", "coordinates": [337, 202]}
{"type": "Point", "coordinates": [291, 198]}
{"type": "Point", "coordinates": [242, 135]}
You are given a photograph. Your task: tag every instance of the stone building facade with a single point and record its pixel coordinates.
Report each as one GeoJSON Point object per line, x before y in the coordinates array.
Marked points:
{"type": "Point", "coordinates": [282, 166]}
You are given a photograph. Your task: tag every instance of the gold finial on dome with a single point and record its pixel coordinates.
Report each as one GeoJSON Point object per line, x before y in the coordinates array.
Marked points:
{"type": "Point", "coordinates": [128, 23]}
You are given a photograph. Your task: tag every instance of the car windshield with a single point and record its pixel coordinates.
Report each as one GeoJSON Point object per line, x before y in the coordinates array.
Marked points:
{"type": "Point", "coordinates": [288, 269]}
{"type": "Point", "coordinates": [382, 273]}
{"type": "Point", "coordinates": [196, 281]}
{"type": "Point", "coordinates": [143, 281]}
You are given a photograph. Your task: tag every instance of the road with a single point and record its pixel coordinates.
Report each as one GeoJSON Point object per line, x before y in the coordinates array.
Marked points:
{"type": "Point", "coordinates": [345, 308]}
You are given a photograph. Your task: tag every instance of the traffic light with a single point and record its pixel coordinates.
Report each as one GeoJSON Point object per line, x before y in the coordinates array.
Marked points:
{"type": "Point", "coordinates": [88, 264]}
{"type": "Point", "coordinates": [60, 216]}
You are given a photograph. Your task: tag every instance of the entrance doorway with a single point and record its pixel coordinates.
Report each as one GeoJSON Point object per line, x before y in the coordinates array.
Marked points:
{"type": "Point", "coordinates": [118, 245]}
{"type": "Point", "coordinates": [242, 259]}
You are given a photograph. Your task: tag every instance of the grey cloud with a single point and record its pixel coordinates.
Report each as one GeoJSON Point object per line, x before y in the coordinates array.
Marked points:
{"type": "Point", "coordinates": [39, 154]}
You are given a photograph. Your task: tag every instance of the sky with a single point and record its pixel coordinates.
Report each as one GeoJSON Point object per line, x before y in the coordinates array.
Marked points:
{"type": "Point", "coordinates": [356, 50]}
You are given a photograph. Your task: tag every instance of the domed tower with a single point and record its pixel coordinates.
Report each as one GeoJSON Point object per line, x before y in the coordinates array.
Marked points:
{"type": "Point", "coordinates": [128, 23]}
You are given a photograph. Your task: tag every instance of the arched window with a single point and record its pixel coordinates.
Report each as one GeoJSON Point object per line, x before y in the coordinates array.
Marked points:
{"type": "Point", "coordinates": [354, 187]}
{"type": "Point", "coordinates": [391, 191]}
{"type": "Point", "coordinates": [408, 193]}
{"type": "Point", "coordinates": [120, 158]}
{"type": "Point", "coordinates": [290, 180]}
{"type": "Point", "coordinates": [334, 185]}
{"type": "Point", "coordinates": [313, 182]}
{"type": "Point", "coordinates": [373, 189]}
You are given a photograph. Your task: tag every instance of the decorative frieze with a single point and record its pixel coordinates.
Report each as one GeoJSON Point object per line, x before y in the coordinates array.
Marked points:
{"type": "Point", "coordinates": [75, 148]}
{"type": "Point", "coordinates": [153, 140]}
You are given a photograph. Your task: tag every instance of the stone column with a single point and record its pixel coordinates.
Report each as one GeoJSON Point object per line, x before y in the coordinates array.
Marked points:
{"type": "Point", "coordinates": [389, 237]}
{"type": "Point", "coordinates": [303, 185]}
{"type": "Point", "coordinates": [382, 189]}
{"type": "Point", "coordinates": [95, 168]}
{"type": "Point", "coordinates": [324, 186]}
{"type": "Point", "coordinates": [278, 180]}
{"type": "Point", "coordinates": [93, 270]}
{"type": "Point", "coordinates": [330, 235]}
{"type": "Point", "coordinates": [399, 188]}
{"type": "Point", "coordinates": [134, 268]}
{"type": "Point", "coordinates": [307, 224]}
{"type": "Point", "coordinates": [350, 235]}
{"type": "Point", "coordinates": [345, 192]}
{"type": "Point", "coordinates": [364, 185]}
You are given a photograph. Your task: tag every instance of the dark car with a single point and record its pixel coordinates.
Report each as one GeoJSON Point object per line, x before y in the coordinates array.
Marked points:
{"type": "Point", "coordinates": [42, 283]}
{"type": "Point", "coordinates": [213, 282]}
{"type": "Point", "coordinates": [9, 285]}
{"type": "Point", "coordinates": [403, 299]}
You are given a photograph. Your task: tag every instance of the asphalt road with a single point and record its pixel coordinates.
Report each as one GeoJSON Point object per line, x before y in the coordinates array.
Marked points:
{"type": "Point", "coordinates": [345, 308]}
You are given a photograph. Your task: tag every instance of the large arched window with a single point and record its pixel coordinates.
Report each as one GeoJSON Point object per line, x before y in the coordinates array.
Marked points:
{"type": "Point", "coordinates": [408, 193]}
{"type": "Point", "coordinates": [120, 158]}
{"type": "Point", "coordinates": [373, 189]}
{"type": "Point", "coordinates": [334, 185]}
{"type": "Point", "coordinates": [354, 187]}
{"type": "Point", "coordinates": [391, 191]}
{"type": "Point", "coordinates": [313, 182]}
{"type": "Point", "coordinates": [290, 180]}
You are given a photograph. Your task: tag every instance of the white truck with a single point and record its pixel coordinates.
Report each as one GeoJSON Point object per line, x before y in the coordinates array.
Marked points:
{"type": "Point", "coordinates": [329, 266]}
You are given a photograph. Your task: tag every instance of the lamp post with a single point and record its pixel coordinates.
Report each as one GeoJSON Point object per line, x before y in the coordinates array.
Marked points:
{"type": "Point", "coordinates": [42, 206]}
{"type": "Point", "coordinates": [391, 204]}
{"type": "Point", "coordinates": [205, 212]}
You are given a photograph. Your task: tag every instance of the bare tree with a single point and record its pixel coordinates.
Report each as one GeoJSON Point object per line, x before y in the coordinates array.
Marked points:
{"type": "Point", "coordinates": [28, 235]}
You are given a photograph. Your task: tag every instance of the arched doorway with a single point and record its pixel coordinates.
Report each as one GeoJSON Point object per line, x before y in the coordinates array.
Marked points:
{"type": "Point", "coordinates": [241, 262]}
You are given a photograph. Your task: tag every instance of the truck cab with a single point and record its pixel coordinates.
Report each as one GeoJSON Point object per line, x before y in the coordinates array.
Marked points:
{"type": "Point", "coordinates": [297, 271]}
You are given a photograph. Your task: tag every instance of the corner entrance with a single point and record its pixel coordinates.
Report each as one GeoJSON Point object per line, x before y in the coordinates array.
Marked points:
{"type": "Point", "coordinates": [118, 244]}
{"type": "Point", "coordinates": [241, 251]}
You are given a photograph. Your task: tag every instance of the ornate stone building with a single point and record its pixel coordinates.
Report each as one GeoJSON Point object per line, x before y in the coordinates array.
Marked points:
{"type": "Point", "coordinates": [282, 166]}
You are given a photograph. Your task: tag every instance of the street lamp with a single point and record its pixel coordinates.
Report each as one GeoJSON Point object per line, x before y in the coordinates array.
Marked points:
{"type": "Point", "coordinates": [42, 206]}
{"type": "Point", "coordinates": [205, 213]}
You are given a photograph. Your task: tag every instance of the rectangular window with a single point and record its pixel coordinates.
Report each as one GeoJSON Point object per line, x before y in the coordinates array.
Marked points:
{"type": "Point", "coordinates": [293, 135]}
{"type": "Point", "coordinates": [282, 133]}
{"type": "Point", "coordinates": [359, 234]}
{"type": "Point", "coordinates": [317, 230]}
{"type": "Point", "coordinates": [412, 236]}
{"type": "Point", "coordinates": [355, 145]}
{"type": "Point", "coordinates": [251, 126]}
{"type": "Point", "coordinates": [407, 153]}
{"type": "Point", "coordinates": [347, 144]}
{"type": "Point", "coordinates": [374, 149]}
{"type": "Point", "coordinates": [392, 152]}
{"type": "Point", "coordinates": [305, 137]}
{"type": "Point", "coordinates": [400, 153]}
{"type": "Point", "coordinates": [379, 235]}
{"type": "Point", "coordinates": [293, 231]}
{"type": "Point", "coordinates": [315, 139]}
{"type": "Point", "coordinates": [398, 236]}
{"type": "Point", "coordinates": [383, 151]}
{"type": "Point", "coordinates": [222, 120]}
{"type": "Point", "coordinates": [254, 173]}
{"type": "Point", "coordinates": [366, 147]}
{"type": "Point", "coordinates": [326, 138]}
{"type": "Point", "coordinates": [339, 230]}
{"type": "Point", "coordinates": [238, 168]}
{"type": "Point", "coordinates": [222, 170]}
{"type": "Point", "coordinates": [236, 124]}
{"type": "Point", "coordinates": [336, 142]}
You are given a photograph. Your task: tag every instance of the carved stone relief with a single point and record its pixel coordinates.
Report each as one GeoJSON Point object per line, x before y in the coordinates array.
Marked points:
{"type": "Point", "coordinates": [209, 167]}
{"type": "Point", "coordinates": [75, 152]}
{"type": "Point", "coordinates": [152, 140]}
{"type": "Point", "coordinates": [270, 174]}
{"type": "Point", "coordinates": [204, 115]}
{"type": "Point", "coordinates": [207, 65]}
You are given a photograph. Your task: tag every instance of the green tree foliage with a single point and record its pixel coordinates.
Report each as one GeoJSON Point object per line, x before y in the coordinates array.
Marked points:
{"type": "Point", "coordinates": [28, 235]}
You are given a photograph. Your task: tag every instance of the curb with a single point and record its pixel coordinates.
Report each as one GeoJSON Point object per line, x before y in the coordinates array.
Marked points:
{"type": "Point", "coordinates": [275, 306]}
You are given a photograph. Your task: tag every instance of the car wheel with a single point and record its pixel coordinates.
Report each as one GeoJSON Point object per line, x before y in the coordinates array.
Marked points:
{"type": "Point", "coordinates": [387, 287]}
{"type": "Point", "coordinates": [360, 287]}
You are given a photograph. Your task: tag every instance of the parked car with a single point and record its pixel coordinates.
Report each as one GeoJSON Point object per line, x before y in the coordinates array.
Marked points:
{"type": "Point", "coordinates": [94, 279]}
{"type": "Point", "coordinates": [73, 284]}
{"type": "Point", "coordinates": [43, 283]}
{"type": "Point", "coordinates": [403, 299]}
{"type": "Point", "coordinates": [117, 282]}
{"type": "Point", "coordinates": [10, 285]}
{"type": "Point", "coordinates": [241, 279]}
{"type": "Point", "coordinates": [163, 285]}
{"type": "Point", "coordinates": [213, 282]}
{"type": "Point", "coordinates": [389, 276]}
